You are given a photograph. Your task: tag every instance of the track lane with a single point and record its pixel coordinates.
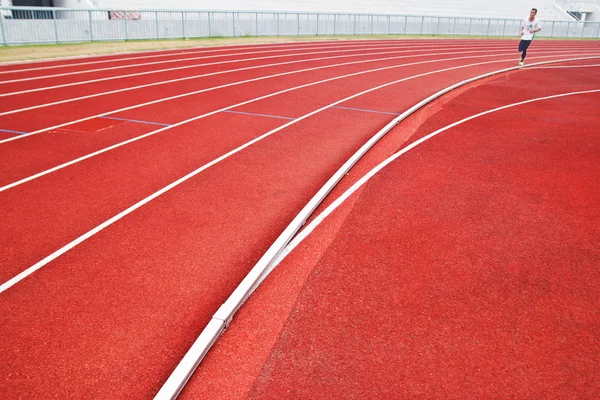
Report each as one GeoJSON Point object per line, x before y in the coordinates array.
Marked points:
{"type": "Point", "coordinates": [78, 61]}
{"type": "Point", "coordinates": [85, 60]}
{"type": "Point", "coordinates": [8, 85]}
{"type": "Point", "coordinates": [103, 84]}
{"type": "Point", "coordinates": [36, 216]}
{"type": "Point", "coordinates": [370, 219]}
{"type": "Point", "coordinates": [52, 116]}
{"type": "Point", "coordinates": [215, 52]}
{"type": "Point", "coordinates": [178, 110]}
{"type": "Point", "coordinates": [112, 191]}
{"type": "Point", "coordinates": [27, 75]}
{"type": "Point", "coordinates": [216, 201]}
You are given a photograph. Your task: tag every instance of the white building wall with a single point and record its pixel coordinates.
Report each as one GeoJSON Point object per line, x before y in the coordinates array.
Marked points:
{"type": "Point", "coordinates": [456, 8]}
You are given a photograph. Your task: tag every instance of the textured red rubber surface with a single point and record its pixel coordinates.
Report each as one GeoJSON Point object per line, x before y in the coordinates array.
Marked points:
{"type": "Point", "coordinates": [467, 268]}
{"type": "Point", "coordinates": [112, 317]}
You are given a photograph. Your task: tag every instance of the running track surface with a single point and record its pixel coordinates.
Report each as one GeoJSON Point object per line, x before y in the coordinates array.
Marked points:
{"type": "Point", "coordinates": [463, 268]}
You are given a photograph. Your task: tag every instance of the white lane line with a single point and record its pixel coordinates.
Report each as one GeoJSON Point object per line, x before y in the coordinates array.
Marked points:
{"type": "Point", "coordinates": [115, 58]}
{"type": "Point", "coordinates": [349, 48]}
{"type": "Point", "coordinates": [221, 319]}
{"type": "Point", "coordinates": [110, 78]}
{"type": "Point", "coordinates": [182, 95]}
{"type": "Point", "coordinates": [237, 70]}
{"type": "Point", "coordinates": [567, 66]}
{"type": "Point", "coordinates": [334, 205]}
{"type": "Point", "coordinates": [134, 139]}
{"type": "Point", "coordinates": [190, 50]}
{"type": "Point", "coordinates": [175, 52]}
{"type": "Point", "coordinates": [187, 59]}
{"type": "Point", "coordinates": [221, 48]}
{"type": "Point", "coordinates": [11, 282]}
{"type": "Point", "coordinates": [210, 89]}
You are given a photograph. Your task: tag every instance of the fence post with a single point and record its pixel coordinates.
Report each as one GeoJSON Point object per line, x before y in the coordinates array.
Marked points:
{"type": "Point", "coordinates": [582, 29]}
{"type": "Point", "coordinates": [55, 26]}
{"type": "Point", "coordinates": [422, 23]}
{"type": "Point", "coordinates": [568, 27]}
{"type": "Point", "coordinates": [354, 24]}
{"type": "Point", "coordinates": [334, 22]}
{"type": "Point", "coordinates": [91, 26]}
{"type": "Point", "coordinates": [405, 26]}
{"type": "Point", "coordinates": [487, 32]}
{"type": "Point", "coordinates": [453, 25]}
{"type": "Point", "coordinates": [209, 20]}
{"type": "Point", "coordinates": [470, 24]}
{"type": "Point", "coordinates": [437, 27]}
{"type": "Point", "coordinates": [125, 23]}
{"type": "Point", "coordinates": [233, 24]}
{"type": "Point", "coordinates": [156, 18]}
{"type": "Point", "coordinates": [298, 15]}
{"type": "Point", "coordinates": [317, 24]}
{"type": "Point", "coordinates": [504, 28]}
{"type": "Point", "coordinates": [4, 39]}
{"type": "Point", "coordinates": [256, 24]}
{"type": "Point", "coordinates": [182, 25]}
{"type": "Point", "coordinates": [372, 24]}
{"type": "Point", "coordinates": [598, 31]}
{"type": "Point", "coordinates": [2, 31]}
{"type": "Point", "coordinates": [278, 23]}
{"type": "Point", "coordinates": [389, 25]}
{"type": "Point", "coordinates": [552, 33]}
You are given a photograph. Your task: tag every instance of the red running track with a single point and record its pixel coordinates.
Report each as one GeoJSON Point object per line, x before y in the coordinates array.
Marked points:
{"type": "Point", "coordinates": [126, 304]}
{"type": "Point", "coordinates": [467, 268]}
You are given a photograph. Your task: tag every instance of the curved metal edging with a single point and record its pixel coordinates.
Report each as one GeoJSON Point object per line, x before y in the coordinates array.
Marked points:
{"type": "Point", "coordinates": [221, 319]}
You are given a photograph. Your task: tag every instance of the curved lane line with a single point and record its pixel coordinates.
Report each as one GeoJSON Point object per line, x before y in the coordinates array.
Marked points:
{"type": "Point", "coordinates": [167, 62]}
{"type": "Point", "coordinates": [286, 46]}
{"type": "Point", "coordinates": [164, 53]}
{"type": "Point", "coordinates": [19, 277]}
{"type": "Point", "coordinates": [110, 78]}
{"type": "Point", "coordinates": [221, 319]}
{"type": "Point", "coordinates": [568, 66]}
{"type": "Point", "coordinates": [134, 139]}
{"type": "Point", "coordinates": [214, 88]}
{"type": "Point", "coordinates": [182, 51]}
{"type": "Point", "coordinates": [206, 89]}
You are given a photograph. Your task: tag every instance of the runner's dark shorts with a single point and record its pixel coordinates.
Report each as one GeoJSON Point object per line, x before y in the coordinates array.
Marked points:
{"type": "Point", "coordinates": [524, 44]}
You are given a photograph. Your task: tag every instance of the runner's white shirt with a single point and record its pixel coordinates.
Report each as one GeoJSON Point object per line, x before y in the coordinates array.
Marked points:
{"type": "Point", "coordinates": [528, 28]}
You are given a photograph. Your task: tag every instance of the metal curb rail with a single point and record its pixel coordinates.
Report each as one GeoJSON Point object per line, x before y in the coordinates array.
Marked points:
{"type": "Point", "coordinates": [222, 318]}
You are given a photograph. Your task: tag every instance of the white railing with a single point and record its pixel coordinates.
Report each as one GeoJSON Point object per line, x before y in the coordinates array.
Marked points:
{"type": "Point", "coordinates": [576, 5]}
{"type": "Point", "coordinates": [25, 25]}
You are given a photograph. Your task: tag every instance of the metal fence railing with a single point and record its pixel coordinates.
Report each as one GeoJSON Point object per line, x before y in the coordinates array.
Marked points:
{"type": "Point", "coordinates": [25, 25]}
{"type": "Point", "coordinates": [578, 5]}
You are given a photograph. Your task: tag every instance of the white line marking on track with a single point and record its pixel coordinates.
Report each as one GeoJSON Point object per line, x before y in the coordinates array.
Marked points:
{"type": "Point", "coordinates": [567, 66]}
{"type": "Point", "coordinates": [125, 142]}
{"type": "Point", "coordinates": [209, 89]}
{"type": "Point", "coordinates": [114, 57]}
{"type": "Point", "coordinates": [221, 319]}
{"type": "Point", "coordinates": [289, 47]}
{"type": "Point", "coordinates": [189, 50]}
{"type": "Point", "coordinates": [334, 205]}
{"type": "Point", "coordinates": [359, 48]}
{"type": "Point", "coordinates": [221, 48]}
{"type": "Point", "coordinates": [110, 78]}
{"type": "Point", "coordinates": [11, 282]}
